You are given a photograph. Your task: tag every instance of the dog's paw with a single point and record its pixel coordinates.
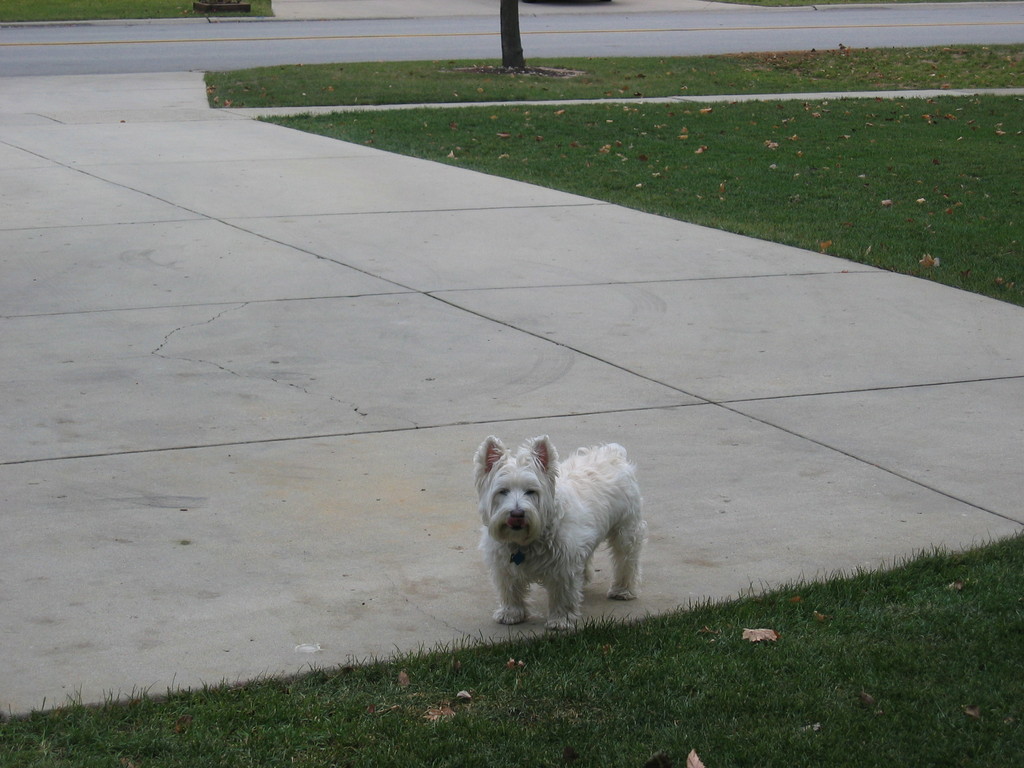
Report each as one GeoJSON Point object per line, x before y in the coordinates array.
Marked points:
{"type": "Point", "coordinates": [510, 615]}
{"type": "Point", "coordinates": [621, 593]}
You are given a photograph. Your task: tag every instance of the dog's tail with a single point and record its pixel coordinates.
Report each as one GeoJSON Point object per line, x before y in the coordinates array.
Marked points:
{"type": "Point", "coordinates": [612, 453]}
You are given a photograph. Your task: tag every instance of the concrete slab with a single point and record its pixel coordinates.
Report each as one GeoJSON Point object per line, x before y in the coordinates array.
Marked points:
{"type": "Point", "coordinates": [163, 263]}
{"type": "Point", "coordinates": [162, 141]}
{"type": "Point", "coordinates": [320, 185]}
{"type": "Point", "coordinates": [55, 196]}
{"type": "Point", "coordinates": [561, 245]}
{"type": "Point", "coordinates": [247, 169]}
{"type": "Point", "coordinates": [13, 158]}
{"type": "Point", "coordinates": [938, 436]}
{"type": "Point", "coordinates": [92, 94]}
{"type": "Point", "coordinates": [178, 568]}
{"type": "Point", "coordinates": [183, 377]}
{"type": "Point", "coordinates": [246, 370]}
{"type": "Point", "coordinates": [777, 336]}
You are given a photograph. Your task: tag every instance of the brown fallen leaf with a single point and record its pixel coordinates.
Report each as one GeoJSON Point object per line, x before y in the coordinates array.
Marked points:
{"type": "Point", "coordinates": [973, 711]}
{"type": "Point", "coordinates": [757, 635]}
{"type": "Point", "coordinates": [440, 712]}
{"type": "Point", "coordinates": [403, 679]}
{"type": "Point", "coordinates": [182, 723]}
{"type": "Point", "coordinates": [956, 586]}
{"type": "Point", "coordinates": [928, 261]}
{"type": "Point", "coordinates": [693, 761]}
{"type": "Point", "coordinates": [821, 616]}
{"type": "Point", "coordinates": [866, 699]}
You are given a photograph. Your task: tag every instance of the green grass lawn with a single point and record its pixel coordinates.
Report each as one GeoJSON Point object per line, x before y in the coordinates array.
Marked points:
{"type": "Point", "coordinates": [426, 82]}
{"type": "Point", "coordinates": [77, 10]}
{"type": "Point", "coordinates": [918, 666]}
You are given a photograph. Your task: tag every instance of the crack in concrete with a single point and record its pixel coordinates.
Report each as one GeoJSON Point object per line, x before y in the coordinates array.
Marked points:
{"type": "Point", "coordinates": [167, 338]}
{"type": "Point", "coordinates": [158, 352]}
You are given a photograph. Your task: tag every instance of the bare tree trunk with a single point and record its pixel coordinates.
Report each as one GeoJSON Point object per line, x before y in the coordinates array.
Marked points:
{"type": "Point", "coordinates": [511, 39]}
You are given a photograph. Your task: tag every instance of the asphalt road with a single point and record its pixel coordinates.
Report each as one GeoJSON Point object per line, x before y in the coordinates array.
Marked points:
{"type": "Point", "coordinates": [186, 45]}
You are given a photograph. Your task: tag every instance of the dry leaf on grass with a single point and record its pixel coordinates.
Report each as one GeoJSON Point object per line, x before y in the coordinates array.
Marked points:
{"type": "Point", "coordinates": [759, 635]}
{"type": "Point", "coordinates": [440, 712]}
{"type": "Point", "coordinates": [403, 679]}
{"type": "Point", "coordinates": [692, 761]}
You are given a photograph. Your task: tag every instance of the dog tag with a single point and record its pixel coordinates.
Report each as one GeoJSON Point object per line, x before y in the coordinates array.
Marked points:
{"type": "Point", "coordinates": [518, 556]}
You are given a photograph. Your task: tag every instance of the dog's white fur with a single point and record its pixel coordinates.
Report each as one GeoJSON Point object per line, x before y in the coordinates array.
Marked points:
{"type": "Point", "coordinates": [543, 520]}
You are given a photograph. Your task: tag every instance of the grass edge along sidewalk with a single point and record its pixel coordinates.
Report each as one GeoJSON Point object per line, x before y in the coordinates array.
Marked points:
{"type": "Point", "coordinates": [918, 665]}
{"type": "Point", "coordinates": [924, 187]}
{"type": "Point", "coordinates": [464, 81]}
{"type": "Point", "coordinates": [927, 188]}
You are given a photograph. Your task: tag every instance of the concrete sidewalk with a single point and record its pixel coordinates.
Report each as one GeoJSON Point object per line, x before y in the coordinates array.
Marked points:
{"type": "Point", "coordinates": [246, 369]}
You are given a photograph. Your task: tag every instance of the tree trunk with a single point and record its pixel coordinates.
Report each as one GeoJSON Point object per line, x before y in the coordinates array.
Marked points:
{"type": "Point", "coordinates": [511, 39]}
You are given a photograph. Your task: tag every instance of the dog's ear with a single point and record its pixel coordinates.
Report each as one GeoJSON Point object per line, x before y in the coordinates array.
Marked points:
{"type": "Point", "coordinates": [545, 455]}
{"type": "Point", "coordinates": [490, 452]}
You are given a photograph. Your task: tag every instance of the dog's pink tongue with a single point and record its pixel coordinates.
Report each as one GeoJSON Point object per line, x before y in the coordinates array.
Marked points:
{"type": "Point", "coordinates": [516, 522]}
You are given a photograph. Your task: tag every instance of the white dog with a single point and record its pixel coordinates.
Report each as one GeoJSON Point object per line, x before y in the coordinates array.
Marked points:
{"type": "Point", "coordinates": [543, 520]}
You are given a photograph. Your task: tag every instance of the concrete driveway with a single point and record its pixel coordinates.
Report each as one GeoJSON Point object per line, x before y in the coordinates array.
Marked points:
{"type": "Point", "coordinates": [246, 369]}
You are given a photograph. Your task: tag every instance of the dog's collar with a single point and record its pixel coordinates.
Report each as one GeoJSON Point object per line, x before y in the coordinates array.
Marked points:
{"type": "Point", "coordinates": [518, 556]}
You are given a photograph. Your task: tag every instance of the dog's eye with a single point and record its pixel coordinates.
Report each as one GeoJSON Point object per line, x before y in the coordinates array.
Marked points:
{"type": "Point", "coordinates": [502, 492]}
{"type": "Point", "coordinates": [531, 492]}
